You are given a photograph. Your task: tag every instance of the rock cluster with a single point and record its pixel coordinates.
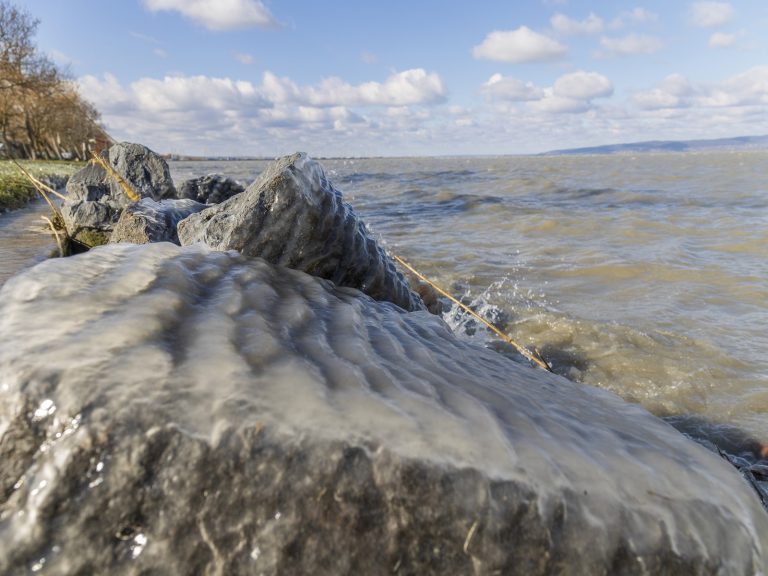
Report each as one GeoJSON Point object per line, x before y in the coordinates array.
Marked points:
{"type": "Point", "coordinates": [290, 215]}
{"type": "Point", "coordinates": [95, 200]}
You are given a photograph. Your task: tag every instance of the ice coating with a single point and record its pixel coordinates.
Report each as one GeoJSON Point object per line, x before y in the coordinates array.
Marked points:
{"type": "Point", "coordinates": [106, 354]}
{"type": "Point", "coordinates": [292, 215]}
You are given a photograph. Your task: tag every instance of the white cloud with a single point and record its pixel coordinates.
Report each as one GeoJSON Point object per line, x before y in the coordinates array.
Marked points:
{"type": "Point", "coordinates": [642, 16]}
{"type": "Point", "coordinates": [571, 93]}
{"type": "Point", "coordinates": [722, 40]}
{"type": "Point", "coordinates": [554, 104]}
{"type": "Point", "coordinates": [244, 58]}
{"type": "Point", "coordinates": [635, 16]}
{"type": "Point", "coordinates": [519, 46]}
{"type": "Point", "coordinates": [106, 93]}
{"type": "Point", "coordinates": [749, 88]}
{"type": "Point", "coordinates": [189, 93]}
{"type": "Point", "coordinates": [218, 14]}
{"type": "Point", "coordinates": [675, 91]}
{"type": "Point", "coordinates": [583, 86]}
{"type": "Point", "coordinates": [629, 45]}
{"type": "Point", "coordinates": [710, 14]}
{"type": "Point", "coordinates": [160, 53]}
{"type": "Point", "coordinates": [194, 93]}
{"type": "Point", "coordinates": [746, 90]}
{"type": "Point", "coordinates": [656, 99]}
{"type": "Point", "coordinates": [409, 87]}
{"type": "Point", "coordinates": [511, 89]}
{"type": "Point", "coordinates": [592, 24]}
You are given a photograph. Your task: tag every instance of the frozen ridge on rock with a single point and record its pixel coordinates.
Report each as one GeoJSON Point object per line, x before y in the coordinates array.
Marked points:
{"type": "Point", "coordinates": [292, 215]}
{"type": "Point", "coordinates": [182, 410]}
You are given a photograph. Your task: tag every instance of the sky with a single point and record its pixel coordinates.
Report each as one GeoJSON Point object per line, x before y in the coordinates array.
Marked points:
{"type": "Point", "coordinates": [415, 77]}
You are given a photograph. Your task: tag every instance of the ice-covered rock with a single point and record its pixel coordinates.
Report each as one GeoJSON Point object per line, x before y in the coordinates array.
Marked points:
{"type": "Point", "coordinates": [95, 200]}
{"type": "Point", "coordinates": [149, 221]}
{"type": "Point", "coordinates": [210, 189]}
{"type": "Point", "coordinates": [292, 215]}
{"type": "Point", "coordinates": [185, 411]}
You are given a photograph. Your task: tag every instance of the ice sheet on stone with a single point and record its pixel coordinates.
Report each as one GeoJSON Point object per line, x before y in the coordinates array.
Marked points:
{"type": "Point", "coordinates": [127, 341]}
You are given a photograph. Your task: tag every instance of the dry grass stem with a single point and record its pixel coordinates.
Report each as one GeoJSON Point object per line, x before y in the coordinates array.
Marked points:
{"type": "Point", "coordinates": [56, 235]}
{"type": "Point", "coordinates": [127, 188]}
{"type": "Point", "coordinates": [39, 186]}
{"type": "Point", "coordinates": [470, 534]}
{"type": "Point", "coordinates": [532, 356]}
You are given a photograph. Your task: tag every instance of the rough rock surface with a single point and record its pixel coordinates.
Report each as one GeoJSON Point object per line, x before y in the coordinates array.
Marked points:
{"type": "Point", "coordinates": [95, 200]}
{"type": "Point", "coordinates": [149, 221]}
{"type": "Point", "coordinates": [210, 189]}
{"type": "Point", "coordinates": [292, 215]}
{"type": "Point", "coordinates": [169, 410]}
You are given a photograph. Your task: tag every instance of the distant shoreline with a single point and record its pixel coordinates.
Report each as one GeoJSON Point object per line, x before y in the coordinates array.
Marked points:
{"type": "Point", "coordinates": [710, 145]}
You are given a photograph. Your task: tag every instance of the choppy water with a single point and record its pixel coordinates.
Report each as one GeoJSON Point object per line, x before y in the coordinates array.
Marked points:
{"type": "Point", "coordinates": [644, 275]}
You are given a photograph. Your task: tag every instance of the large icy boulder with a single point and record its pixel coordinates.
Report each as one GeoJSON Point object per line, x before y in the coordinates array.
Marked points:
{"type": "Point", "coordinates": [168, 410]}
{"type": "Point", "coordinates": [292, 215]}
{"type": "Point", "coordinates": [95, 200]}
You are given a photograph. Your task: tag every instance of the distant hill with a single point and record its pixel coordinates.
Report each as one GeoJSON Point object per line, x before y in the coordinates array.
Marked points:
{"type": "Point", "coordinates": [739, 143]}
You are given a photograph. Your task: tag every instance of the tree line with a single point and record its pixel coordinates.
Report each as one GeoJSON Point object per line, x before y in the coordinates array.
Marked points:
{"type": "Point", "coordinates": [42, 116]}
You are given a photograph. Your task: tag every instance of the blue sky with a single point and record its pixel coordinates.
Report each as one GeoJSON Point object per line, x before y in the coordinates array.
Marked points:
{"type": "Point", "coordinates": [244, 77]}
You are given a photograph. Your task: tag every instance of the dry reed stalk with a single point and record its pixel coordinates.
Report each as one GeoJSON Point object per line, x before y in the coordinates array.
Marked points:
{"type": "Point", "coordinates": [127, 188]}
{"type": "Point", "coordinates": [56, 235]}
{"type": "Point", "coordinates": [37, 183]}
{"type": "Point", "coordinates": [43, 190]}
{"type": "Point", "coordinates": [532, 356]}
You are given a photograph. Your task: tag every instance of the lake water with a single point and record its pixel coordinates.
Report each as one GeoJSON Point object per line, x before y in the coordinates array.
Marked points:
{"type": "Point", "coordinates": [646, 275]}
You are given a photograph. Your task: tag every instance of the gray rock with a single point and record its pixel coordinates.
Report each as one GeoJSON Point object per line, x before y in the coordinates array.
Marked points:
{"type": "Point", "coordinates": [292, 215]}
{"type": "Point", "coordinates": [149, 221]}
{"type": "Point", "coordinates": [179, 411]}
{"type": "Point", "coordinates": [89, 184]}
{"type": "Point", "coordinates": [147, 171]}
{"type": "Point", "coordinates": [210, 189]}
{"type": "Point", "coordinates": [88, 214]}
{"type": "Point", "coordinates": [95, 201]}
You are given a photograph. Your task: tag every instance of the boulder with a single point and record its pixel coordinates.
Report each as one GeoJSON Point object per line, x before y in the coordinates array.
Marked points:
{"type": "Point", "coordinates": [185, 411]}
{"type": "Point", "coordinates": [95, 200]}
{"type": "Point", "coordinates": [149, 221]}
{"type": "Point", "coordinates": [145, 170]}
{"type": "Point", "coordinates": [292, 215]}
{"type": "Point", "coordinates": [210, 189]}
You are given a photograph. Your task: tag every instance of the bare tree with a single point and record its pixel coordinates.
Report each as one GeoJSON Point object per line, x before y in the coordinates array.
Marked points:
{"type": "Point", "coordinates": [41, 113]}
